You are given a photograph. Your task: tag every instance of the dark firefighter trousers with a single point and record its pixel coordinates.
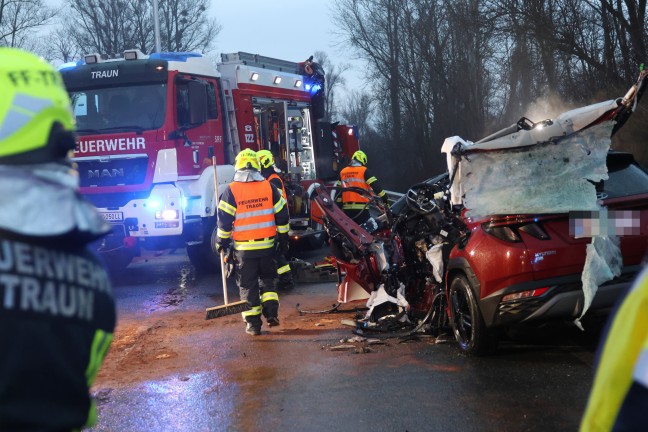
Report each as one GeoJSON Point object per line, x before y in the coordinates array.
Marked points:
{"type": "Point", "coordinates": [256, 278]}
{"type": "Point", "coordinates": [284, 273]}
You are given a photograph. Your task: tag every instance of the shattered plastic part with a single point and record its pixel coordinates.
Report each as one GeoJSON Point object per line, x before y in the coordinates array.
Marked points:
{"type": "Point", "coordinates": [380, 296]}
{"type": "Point", "coordinates": [435, 256]}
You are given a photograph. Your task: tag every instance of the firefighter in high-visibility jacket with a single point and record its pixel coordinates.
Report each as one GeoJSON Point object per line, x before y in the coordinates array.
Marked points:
{"type": "Point", "coordinates": [618, 400]}
{"type": "Point", "coordinates": [253, 214]}
{"type": "Point", "coordinates": [57, 313]}
{"type": "Point", "coordinates": [357, 175]}
{"type": "Point", "coordinates": [269, 171]}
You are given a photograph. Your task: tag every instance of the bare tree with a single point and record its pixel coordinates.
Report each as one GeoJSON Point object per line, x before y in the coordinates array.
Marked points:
{"type": "Point", "coordinates": [21, 19]}
{"type": "Point", "coordinates": [358, 110]}
{"type": "Point", "coordinates": [372, 28]}
{"type": "Point", "coordinates": [57, 45]}
{"type": "Point", "coordinates": [110, 27]}
{"type": "Point", "coordinates": [333, 80]}
{"type": "Point", "coordinates": [103, 27]}
{"type": "Point", "coordinates": [185, 25]}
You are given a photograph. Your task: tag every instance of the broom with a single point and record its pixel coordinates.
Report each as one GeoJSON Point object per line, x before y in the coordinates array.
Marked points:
{"type": "Point", "coordinates": [228, 308]}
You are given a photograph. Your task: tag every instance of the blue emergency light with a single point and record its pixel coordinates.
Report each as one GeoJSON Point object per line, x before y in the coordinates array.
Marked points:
{"type": "Point", "coordinates": [174, 56]}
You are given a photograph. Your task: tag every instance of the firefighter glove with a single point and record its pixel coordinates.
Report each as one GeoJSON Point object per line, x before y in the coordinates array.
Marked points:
{"type": "Point", "coordinates": [222, 245]}
{"type": "Point", "coordinates": [283, 244]}
{"type": "Point", "coordinates": [229, 259]}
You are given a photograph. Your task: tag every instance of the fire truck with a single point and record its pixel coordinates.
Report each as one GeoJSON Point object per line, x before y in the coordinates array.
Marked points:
{"type": "Point", "coordinates": [158, 133]}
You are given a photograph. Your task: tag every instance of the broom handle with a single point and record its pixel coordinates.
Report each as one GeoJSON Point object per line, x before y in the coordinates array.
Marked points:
{"type": "Point", "coordinates": [222, 261]}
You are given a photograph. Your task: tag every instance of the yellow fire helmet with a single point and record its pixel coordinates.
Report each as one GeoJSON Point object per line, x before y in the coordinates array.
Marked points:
{"type": "Point", "coordinates": [360, 156]}
{"type": "Point", "coordinates": [265, 158]}
{"type": "Point", "coordinates": [36, 121]}
{"type": "Point", "coordinates": [247, 159]}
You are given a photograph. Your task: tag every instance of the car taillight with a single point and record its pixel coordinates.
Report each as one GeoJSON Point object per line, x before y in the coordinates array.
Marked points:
{"type": "Point", "coordinates": [525, 294]}
{"type": "Point", "coordinates": [502, 232]}
{"type": "Point", "coordinates": [535, 230]}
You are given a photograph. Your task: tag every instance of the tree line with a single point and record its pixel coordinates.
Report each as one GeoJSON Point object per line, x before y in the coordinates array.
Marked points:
{"type": "Point", "coordinates": [108, 27]}
{"type": "Point", "coordinates": [441, 68]}
{"type": "Point", "coordinates": [436, 68]}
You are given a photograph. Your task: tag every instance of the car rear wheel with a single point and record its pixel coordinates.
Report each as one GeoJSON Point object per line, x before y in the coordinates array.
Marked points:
{"type": "Point", "coordinates": [466, 320]}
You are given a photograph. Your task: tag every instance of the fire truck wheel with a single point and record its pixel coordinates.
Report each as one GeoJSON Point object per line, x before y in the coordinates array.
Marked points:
{"type": "Point", "coordinates": [204, 256]}
{"type": "Point", "coordinates": [117, 261]}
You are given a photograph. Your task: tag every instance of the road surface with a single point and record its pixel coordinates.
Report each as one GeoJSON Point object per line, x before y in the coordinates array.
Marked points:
{"type": "Point", "coordinates": [169, 369]}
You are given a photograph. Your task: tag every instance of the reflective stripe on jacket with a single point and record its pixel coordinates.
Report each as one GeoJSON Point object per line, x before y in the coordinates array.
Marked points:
{"type": "Point", "coordinates": [275, 176]}
{"type": "Point", "coordinates": [255, 211]}
{"type": "Point", "coordinates": [354, 176]}
{"type": "Point", "coordinates": [621, 382]}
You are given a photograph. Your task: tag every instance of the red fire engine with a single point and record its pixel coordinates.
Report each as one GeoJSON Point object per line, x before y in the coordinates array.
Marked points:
{"type": "Point", "coordinates": [149, 127]}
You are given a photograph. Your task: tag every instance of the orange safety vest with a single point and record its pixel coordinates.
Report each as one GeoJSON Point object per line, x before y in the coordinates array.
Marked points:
{"type": "Point", "coordinates": [283, 189]}
{"type": "Point", "coordinates": [255, 216]}
{"type": "Point", "coordinates": [354, 176]}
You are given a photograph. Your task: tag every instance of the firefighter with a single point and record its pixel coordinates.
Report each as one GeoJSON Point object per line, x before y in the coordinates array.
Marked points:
{"type": "Point", "coordinates": [269, 171]}
{"type": "Point", "coordinates": [619, 397]}
{"type": "Point", "coordinates": [57, 315]}
{"type": "Point", "coordinates": [357, 175]}
{"type": "Point", "coordinates": [253, 213]}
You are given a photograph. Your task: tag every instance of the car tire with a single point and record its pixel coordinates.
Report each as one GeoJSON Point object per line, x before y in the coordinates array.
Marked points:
{"type": "Point", "coordinates": [468, 326]}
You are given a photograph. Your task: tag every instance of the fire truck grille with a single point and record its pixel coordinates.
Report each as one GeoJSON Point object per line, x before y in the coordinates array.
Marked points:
{"type": "Point", "coordinates": [113, 172]}
{"type": "Point", "coordinates": [115, 200]}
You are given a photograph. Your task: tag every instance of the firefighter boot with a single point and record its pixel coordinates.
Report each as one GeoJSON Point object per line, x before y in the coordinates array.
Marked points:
{"type": "Point", "coordinates": [272, 321]}
{"type": "Point", "coordinates": [253, 325]}
{"type": "Point", "coordinates": [251, 329]}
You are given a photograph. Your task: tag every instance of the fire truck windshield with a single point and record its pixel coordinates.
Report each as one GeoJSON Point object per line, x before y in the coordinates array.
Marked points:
{"type": "Point", "coordinates": [113, 109]}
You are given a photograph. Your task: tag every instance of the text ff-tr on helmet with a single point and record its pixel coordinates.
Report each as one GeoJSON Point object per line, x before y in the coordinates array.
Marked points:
{"type": "Point", "coordinates": [36, 120]}
{"type": "Point", "coordinates": [247, 159]}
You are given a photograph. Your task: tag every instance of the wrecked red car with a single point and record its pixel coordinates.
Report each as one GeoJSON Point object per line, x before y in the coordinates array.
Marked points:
{"type": "Point", "coordinates": [538, 222]}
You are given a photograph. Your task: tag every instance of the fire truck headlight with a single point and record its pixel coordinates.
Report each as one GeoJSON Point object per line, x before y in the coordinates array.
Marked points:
{"type": "Point", "coordinates": [167, 214]}
{"type": "Point", "coordinates": [153, 203]}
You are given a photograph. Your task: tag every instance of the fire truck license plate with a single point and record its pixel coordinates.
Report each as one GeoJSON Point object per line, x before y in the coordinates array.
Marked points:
{"type": "Point", "coordinates": [113, 216]}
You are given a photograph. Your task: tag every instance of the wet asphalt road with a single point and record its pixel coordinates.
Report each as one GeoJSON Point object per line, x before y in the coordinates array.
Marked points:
{"type": "Point", "coordinates": [170, 370]}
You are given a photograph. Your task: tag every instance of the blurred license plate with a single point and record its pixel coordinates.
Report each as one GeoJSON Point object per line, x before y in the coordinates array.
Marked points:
{"type": "Point", "coordinates": [113, 216]}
